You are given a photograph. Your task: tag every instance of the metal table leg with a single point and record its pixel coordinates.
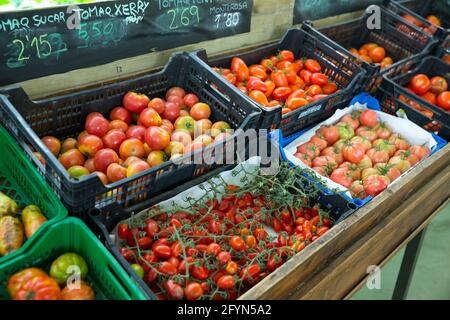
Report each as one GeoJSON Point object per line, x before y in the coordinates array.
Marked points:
{"type": "Point", "coordinates": [407, 267]}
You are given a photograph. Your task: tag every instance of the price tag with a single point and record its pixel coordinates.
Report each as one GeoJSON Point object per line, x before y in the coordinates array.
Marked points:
{"type": "Point", "coordinates": [41, 42]}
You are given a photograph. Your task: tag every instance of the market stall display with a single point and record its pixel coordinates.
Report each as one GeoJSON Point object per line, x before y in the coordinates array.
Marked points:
{"type": "Point", "coordinates": [266, 171]}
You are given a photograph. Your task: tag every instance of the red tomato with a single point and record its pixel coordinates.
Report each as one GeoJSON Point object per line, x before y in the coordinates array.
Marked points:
{"type": "Point", "coordinates": [420, 84]}
{"type": "Point", "coordinates": [374, 185]}
{"type": "Point", "coordinates": [231, 267]}
{"type": "Point", "coordinates": [321, 231]}
{"type": "Point", "coordinates": [193, 291]}
{"type": "Point", "coordinates": [237, 243]}
{"type": "Point", "coordinates": [224, 257]}
{"type": "Point", "coordinates": [329, 133]}
{"type": "Point", "coordinates": [225, 282]}
{"type": "Point", "coordinates": [273, 263]}
{"type": "Point", "coordinates": [144, 243]}
{"type": "Point", "coordinates": [443, 100]}
{"type": "Point", "coordinates": [281, 93]}
{"type": "Point", "coordinates": [305, 75]}
{"type": "Point", "coordinates": [330, 88]}
{"type": "Point", "coordinates": [353, 152]}
{"type": "Point", "coordinates": [162, 251]}
{"type": "Point", "coordinates": [324, 161]}
{"type": "Point", "coordinates": [260, 233]}
{"type": "Point", "coordinates": [268, 64]}
{"type": "Point", "coordinates": [122, 231]}
{"type": "Point", "coordinates": [240, 69]}
{"type": "Point", "coordinates": [314, 90]}
{"type": "Point", "coordinates": [270, 86]}
{"type": "Point", "coordinates": [250, 272]}
{"type": "Point", "coordinates": [430, 97]}
{"type": "Point", "coordinates": [174, 290]}
{"type": "Point", "coordinates": [342, 176]}
{"type": "Point", "coordinates": [420, 151]}
{"type": "Point", "coordinates": [319, 79]}
{"type": "Point", "coordinates": [296, 103]}
{"type": "Point", "coordinates": [213, 248]}
{"type": "Point", "coordinates": [312, 65]}
{"type": "Point", "coordinates": [254, 83]}
{"type": "Point", "coordinates": [199, 272]}
{"type": "Point", "coordinates": [438, 85]}
{"type": "Point", "coordinates": [258, 71]}
{"type": "Point", "coordinates": [286, 55]}
{"type": "Point", "coordinates": [38, 287]}
{"type": "Point", "coordinates": [167, 268]}
{"type": "Point", "coordinates": [259, 97]}
{"type": "Point", "coordinates": [298, 65]}
{"type": "Point", "coordinates": [279, 78]}
{"type": "Point", "coordinates": [368, 118]}
{"type": "Point", "coordinates": [319, 141]}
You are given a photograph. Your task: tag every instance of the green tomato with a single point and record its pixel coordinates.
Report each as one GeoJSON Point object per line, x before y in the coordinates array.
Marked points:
{"type": "Point", "coordinates": [346, 132]}
{"type": "Point", "coordinates": [138, 269]}
{"type": "Point", "coordinates": [66, 266]}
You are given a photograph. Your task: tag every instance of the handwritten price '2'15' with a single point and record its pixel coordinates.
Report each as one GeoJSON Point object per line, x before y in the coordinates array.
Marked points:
{"type": "Point", "coordinates": [188, 16]}
{"type": "Point", "coordinates": [229, 19]}
{"type": "Point", "coordinates": [22, 50]}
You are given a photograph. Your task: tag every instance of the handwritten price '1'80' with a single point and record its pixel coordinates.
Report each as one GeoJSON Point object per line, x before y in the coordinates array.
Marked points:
{"type": "Point", "coordinates": [44, 46]}
{"type": "Point", "coordinates": [183, 17]}
{"type": "Point", "coordinates": [228, 19]}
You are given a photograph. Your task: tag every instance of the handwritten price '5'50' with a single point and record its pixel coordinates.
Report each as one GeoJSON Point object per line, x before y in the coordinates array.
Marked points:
{"type": "Point", "coordinates": [228, 20]}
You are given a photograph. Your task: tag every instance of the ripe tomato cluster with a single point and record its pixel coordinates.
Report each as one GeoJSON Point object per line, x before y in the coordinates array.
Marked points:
{"type": "Point", "coordinates": [435, 21]}
{"type": "Point", "coordinates": [360, 153]}
{"type": "Point", "coordinates": [434, 90]}
{"type": "Point", "coordinates": [139, 135]}
{"type": "Point", "coordinates": [280, 80]}
{"type": "Point", "coordinates": [218, 249]}
{"type": "Point", "coordinates": [372, 52]}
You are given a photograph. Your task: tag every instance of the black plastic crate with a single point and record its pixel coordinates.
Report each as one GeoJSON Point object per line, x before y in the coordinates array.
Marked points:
{"type": "Point", "coordinates": [103, 221]}
{"type": "Point", "coordinates": [420, 9]}
{"type": "Point", "coordinates": [393, 96]}
{"type": "Point", "coordinates": [400, 39]}
{"type": "Point", "coordinates": [338, 68]}
{"type": "Point", "coordinates": [64, 116]}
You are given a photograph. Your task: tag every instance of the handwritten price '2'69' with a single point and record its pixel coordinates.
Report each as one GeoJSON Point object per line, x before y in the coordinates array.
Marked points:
{"type": "Point", "coordinates": [23, 48]}
{"type": "Point", "coordinates": [228, 20]}
{"type": "Point", "coordinates": [179, 18]}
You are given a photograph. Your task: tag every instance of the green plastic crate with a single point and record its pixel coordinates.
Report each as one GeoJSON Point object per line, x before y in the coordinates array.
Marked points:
{"type": "Point", "coordinates": [108, 279]}
{"type": "Point", "coordinates": [20, 180]}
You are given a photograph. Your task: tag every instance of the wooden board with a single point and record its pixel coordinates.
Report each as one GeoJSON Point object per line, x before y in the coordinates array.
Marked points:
{"type": "Point", "coordinates": [331, 267]}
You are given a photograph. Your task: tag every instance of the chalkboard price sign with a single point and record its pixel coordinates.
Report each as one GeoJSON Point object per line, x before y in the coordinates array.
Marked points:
{"type": "Point", "coordinates": [319, 9]}
{"type": "Point", "coordinates": [36, 43]}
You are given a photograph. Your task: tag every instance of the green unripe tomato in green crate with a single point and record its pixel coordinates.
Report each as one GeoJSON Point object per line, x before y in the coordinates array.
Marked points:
{"type": "Point", "coordinates": [66, 266]}
{"type": "Point", "coordinates": [138, 269]}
